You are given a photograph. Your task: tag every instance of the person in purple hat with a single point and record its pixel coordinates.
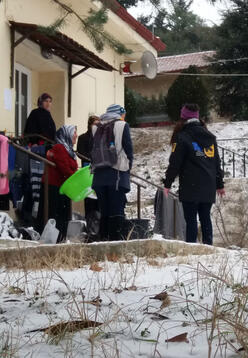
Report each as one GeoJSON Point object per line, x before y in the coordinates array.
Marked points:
{"type": "Point", "coordinates": [195, 159]}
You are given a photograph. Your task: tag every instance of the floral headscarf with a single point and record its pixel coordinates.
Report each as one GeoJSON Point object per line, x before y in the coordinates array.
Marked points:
{"type": "Point", "coordinates": [64, 136]}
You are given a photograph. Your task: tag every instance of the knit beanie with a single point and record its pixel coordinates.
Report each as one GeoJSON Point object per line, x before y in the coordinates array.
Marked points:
{"type": "Point", "coordinates": [116, 108]}
{"type": "Point", "coordinates": [42, 98]}
{"type": "Point", "coordinates": [188, 114]}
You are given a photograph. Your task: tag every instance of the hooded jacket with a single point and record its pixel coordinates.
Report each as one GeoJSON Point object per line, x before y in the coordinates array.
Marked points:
{"type": "Point", "coordinates": [119, 175]}
{"type": "Point", "coordinates": [195, 159]}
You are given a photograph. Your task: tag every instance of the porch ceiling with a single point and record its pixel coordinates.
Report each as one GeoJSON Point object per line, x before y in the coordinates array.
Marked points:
{"type": "Point", "coordinates": [61, 46]}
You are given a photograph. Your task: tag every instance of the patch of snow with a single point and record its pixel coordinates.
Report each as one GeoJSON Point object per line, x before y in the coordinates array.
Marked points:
{"type": "Point", "coordinates": [134, 324]}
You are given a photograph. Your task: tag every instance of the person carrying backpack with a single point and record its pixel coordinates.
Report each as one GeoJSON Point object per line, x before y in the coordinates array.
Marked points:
{"type": "Point", "coordinates": [196, 161]}
{"type": "Point", "coordinates": [112, 157]}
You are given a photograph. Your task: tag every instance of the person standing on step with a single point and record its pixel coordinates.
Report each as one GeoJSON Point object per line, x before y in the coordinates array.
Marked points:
{"type": "Point", "coordinates": [85, 141]}
{"type": "Point", "coordinates": [63, 155]}
{"type": "Point", "coordinates": [40, 121]}
{"type": "Point", "coordinates": [112, 157]}
{"type": "Point", "coordinates": [84, 147]}
{"type": "Point", "coordinates": [196, 161]}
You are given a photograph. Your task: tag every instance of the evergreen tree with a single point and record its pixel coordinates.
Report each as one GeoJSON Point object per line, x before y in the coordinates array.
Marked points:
{"type": "Point", "coordinates": [187, 89]}
{"type": "Point", "coordinates": [128, 3]}
{"type": "Point", "coordinates": [92, 25]}
{"type": "Point", "coordinates": [131, 105]}
{"type": "Point", "coordinates": [231, 93]}
{"type": "Point", "coordinates": [180, 29]}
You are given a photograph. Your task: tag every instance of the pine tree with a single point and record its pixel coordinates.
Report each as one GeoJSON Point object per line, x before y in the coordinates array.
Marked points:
{"type": "Point", "coordinates": [187, 89]}
{"type": "Point", "coordinates": [231, 93]}
{"type": "Point", "coordinates": [92, 25]}
{"type": "Point", "coordinates": [131, 106]}
{"type": "Point", "coordinates": [128, 3]}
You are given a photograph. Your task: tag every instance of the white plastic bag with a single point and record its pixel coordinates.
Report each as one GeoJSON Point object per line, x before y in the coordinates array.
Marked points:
{"type": "Point", "coordinates": [50, 233]}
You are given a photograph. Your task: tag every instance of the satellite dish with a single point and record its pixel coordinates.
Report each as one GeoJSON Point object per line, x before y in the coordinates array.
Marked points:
{"type": "Point", "coordinates": [146, 65]}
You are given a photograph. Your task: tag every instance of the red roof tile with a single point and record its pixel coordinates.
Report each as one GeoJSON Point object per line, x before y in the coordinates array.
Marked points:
{"type": "Point", "coordinates": [182, 62]}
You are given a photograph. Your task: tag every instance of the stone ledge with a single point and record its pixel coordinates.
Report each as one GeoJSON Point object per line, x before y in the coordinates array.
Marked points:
{"type": "Point", "coordinates": [71, 256]}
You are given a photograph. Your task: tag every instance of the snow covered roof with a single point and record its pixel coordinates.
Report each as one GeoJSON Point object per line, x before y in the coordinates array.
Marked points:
{"type": "Point", "coordinates": [179, 63]}
{"type": "Point", "coordinates": [182, 62]}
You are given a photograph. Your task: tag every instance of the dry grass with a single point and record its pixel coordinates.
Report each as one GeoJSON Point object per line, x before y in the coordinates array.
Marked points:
{"type": "Point", "coordinates": [71, 256]}
{"type": "Point", "coordinates": [150, 141]}
{"type": "Point", "coordinates": [223, 324]}
{"type": "Point", "coordinates": [230, 216]}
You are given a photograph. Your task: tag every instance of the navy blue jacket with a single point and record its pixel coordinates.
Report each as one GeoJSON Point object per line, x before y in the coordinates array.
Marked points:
{"type": "Point", "coordinates": [112, 177]}
{"type": "Point", "coordinates": [196, 161]}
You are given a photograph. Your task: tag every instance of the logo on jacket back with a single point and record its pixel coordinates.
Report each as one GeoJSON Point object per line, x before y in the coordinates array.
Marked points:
{"type": "Point", "coordinates": [198, 150]}
{"type": "Point", "coordinates": [205, 152]}
{"type": "Point", "coordinates": [209, 151]}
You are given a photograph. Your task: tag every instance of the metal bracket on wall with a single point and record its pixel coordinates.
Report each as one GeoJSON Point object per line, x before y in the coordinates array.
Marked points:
{"type": "Point", "coordinates": [14, 44]}
{"type": "Point", "coordinates": [70, 78]}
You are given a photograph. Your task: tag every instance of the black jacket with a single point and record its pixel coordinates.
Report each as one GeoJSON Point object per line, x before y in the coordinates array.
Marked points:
{"type": "Point", "coordinates": [85, 144]}
{"type": "Point", "coordinates": [41, 122]}
{"type": "Point", "coordinates": [196, 160]}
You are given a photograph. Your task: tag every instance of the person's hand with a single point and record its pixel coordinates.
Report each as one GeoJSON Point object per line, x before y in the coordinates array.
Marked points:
{"type": "Point", "coordinates": [221, 192]}
{"type": "Point", "coordinates": [49, 154]}
{"type": "Point", "coordinates": [166, 192]}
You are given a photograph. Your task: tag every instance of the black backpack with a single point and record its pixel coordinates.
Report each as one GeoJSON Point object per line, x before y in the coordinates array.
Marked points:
{"type": "Point", "coordinates": [104, 152]}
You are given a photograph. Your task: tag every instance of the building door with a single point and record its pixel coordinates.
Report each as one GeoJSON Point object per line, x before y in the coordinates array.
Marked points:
{"type": "Point", "coordinates": [23, 97]}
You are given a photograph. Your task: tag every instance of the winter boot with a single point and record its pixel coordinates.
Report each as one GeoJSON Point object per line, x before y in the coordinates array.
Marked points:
{"type": "Point", "coordinates": [104, 229]}
{"type": "Point", "coordinates": [116, 228]}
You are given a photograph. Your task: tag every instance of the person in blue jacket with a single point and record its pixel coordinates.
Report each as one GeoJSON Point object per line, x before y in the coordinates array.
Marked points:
{"type": "Point", "coordinates": [196, 161]}
{"type": "Point", "coordinates": [112, 183]}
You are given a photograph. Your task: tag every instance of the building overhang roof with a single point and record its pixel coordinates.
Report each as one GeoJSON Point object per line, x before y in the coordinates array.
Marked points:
{"type": "Point", "coordinates": [62, 46]}
{"type": "Point", "coordinates": [143, 31]}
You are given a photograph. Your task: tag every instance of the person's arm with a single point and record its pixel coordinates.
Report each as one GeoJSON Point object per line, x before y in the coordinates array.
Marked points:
{"type": "Point", "coordinates": [50, 130]}
{"type": "Point", "coordinates": [175, 163]}
{"type": "Point", "coordinates": [127, 144]}
{"type": "Point", "coordinates": [219, 173]}
{"type": "Point", "coordinates": [62, 159]}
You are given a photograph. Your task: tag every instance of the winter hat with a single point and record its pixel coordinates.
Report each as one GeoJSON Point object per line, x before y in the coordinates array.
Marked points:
{"type": "Point", "coordinates": [188, 113]}
{"type": "Point", "coordinates": [42, 98]}
{"type": "Point", "coordinates": [116, 108]}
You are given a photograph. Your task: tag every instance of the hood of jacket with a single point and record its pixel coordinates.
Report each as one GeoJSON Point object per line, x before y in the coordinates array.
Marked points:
{"type": "Point", "coordinates": [199, 134]}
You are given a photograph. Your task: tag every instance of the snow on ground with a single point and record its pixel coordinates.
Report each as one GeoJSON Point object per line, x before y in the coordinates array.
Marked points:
{"type": "Point", "coordinates": [7, 228]}
{"type": "Point", "coordinates": [202, 302]}
{"type": "Point", "coordinates": [152, 151]}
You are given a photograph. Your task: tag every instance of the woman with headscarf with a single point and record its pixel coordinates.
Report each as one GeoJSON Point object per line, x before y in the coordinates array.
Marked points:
{"type": "Point", "coordinates": [62, 154]}
{"type": "Point", "coordinates": [40, 121]}
{"type": "Point", "coordinates": [195, 159]}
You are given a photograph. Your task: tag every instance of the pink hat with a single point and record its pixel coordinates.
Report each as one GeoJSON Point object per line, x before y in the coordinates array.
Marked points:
{"type": "Point", "coordinates": [188, 114]}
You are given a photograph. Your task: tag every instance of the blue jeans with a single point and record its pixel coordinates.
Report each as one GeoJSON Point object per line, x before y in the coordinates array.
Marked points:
{"type": "Point", "coordinates": [190, 214]}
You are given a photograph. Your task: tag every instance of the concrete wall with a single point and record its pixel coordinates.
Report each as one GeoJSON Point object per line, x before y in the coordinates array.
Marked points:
{"type": "Point", "coordinates": [92, 91]}
{"type": "Point", "coordinates": [149, 88]}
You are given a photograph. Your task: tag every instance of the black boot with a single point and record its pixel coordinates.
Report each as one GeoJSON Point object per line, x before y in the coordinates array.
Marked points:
{"type": "Point", "coordinates": [116, 228]}
{"type": "Point", "coordinates": [104, 229]}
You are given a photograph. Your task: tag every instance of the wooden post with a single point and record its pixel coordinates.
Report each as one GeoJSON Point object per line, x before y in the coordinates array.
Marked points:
{"type": "Point", "coordinates": [12, 57]}
{"type": "Point", "coordinates": [244, 165]}
{"type": "Point", "coordinates": [138, 201]}
{"type": "Point", "coordinates": [69, 88]}
{"type": "Point", "coordinates": [46, 194]}
{"type": "Point", "coordinates": [174, 218]}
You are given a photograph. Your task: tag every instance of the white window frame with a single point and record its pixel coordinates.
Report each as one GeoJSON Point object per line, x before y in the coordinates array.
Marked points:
{"type": "Point", "coordinates": [27, 72]}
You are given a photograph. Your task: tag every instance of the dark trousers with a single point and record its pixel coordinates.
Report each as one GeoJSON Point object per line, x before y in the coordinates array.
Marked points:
{"type": "Point", "coordinates": [112, 204]}
{"type": "Point", "coordinates": [190, 214]}
{"type": "Point", "coordinates": [59, 208]}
